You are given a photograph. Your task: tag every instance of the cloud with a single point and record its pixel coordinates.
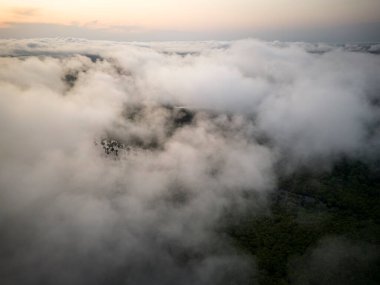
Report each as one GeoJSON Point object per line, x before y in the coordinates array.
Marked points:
{"type": "Point", "coordinates": [20, 29]}
{"type": "Point", "coordinates": [79, 202]}
{"type": "Point", "coordinates": [91, 30]}
{"type": "Point", "coordinates": [72, 212]}
{"type": "Point", "coordinates": [24, 12]}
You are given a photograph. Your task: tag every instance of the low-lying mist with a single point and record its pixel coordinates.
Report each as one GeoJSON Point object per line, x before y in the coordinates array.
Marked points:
{"type": "Point", "coordinates": [119, 161]}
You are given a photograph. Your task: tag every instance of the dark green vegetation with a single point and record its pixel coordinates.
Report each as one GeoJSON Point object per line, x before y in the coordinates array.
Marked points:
{"type": "Point", "coordinates": [173, 119]}
{"type": "Point", "coordinates": [323, 228]}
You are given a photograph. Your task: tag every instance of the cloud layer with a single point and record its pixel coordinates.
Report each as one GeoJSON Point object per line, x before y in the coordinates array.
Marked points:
{"type": "Point", "coordinates": [196, 127]}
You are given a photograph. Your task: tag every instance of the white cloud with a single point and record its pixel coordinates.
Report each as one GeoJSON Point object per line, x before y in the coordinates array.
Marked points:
{"type": "Point", "coordinates": [69, 209]}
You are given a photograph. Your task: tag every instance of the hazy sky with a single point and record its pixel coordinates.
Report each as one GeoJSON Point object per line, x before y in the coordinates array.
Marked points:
{"type": "Point", "coordinates": [179, 19]}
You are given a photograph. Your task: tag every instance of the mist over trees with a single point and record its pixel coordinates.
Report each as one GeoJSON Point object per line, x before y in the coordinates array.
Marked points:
{"type": "Point", "coordinates": [243, 162]}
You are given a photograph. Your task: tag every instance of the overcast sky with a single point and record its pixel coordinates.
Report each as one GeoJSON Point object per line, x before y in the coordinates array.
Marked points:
{"type": "Point", "coordinates": [293, 20]}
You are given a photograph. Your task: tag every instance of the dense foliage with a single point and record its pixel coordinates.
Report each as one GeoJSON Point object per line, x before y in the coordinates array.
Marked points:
{"type": "Point", "coordinates": [340, 204]}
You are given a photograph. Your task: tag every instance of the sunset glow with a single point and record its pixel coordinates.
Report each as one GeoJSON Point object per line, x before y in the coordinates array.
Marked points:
{"type": "Point", "coordinates": [190, 15]}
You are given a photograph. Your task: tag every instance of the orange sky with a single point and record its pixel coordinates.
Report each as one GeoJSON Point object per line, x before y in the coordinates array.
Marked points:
{"type": "Point", "coordinates": [196, 19]}
{"type": "Point", "coordinates": [190, 15]}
